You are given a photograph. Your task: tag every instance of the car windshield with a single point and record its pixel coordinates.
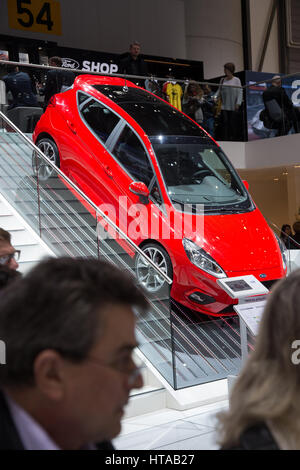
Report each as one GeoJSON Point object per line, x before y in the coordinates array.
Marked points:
{"type": "Point", "coordinates": [194, 168]}
{"type": "Point", "coordinates": [196, 171]}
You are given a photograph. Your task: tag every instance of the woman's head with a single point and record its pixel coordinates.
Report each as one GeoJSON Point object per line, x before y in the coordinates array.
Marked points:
{"type": "Point", "coordinates": [229, 67]}
{"type": "Point", "coordinates": [296, 226]}
{"type": "Point", "coordinates": [286, 229]}
{"type": "Point", "coordinates": [268, 387]}
{"type": "Point", "coordinates": [193, 89]}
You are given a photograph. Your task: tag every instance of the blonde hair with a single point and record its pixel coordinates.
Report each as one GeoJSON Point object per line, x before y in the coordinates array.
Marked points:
{"type": "Point", "coordinates": [187, 90]}
{"type": "Point", "coordinates": [268, 387]}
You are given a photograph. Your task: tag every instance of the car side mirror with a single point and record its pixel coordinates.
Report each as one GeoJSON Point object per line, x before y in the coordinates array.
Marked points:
{"type": "Point", "coordinates": [140, 189]}
{"type": "Point", "coordinates": [246, 184]}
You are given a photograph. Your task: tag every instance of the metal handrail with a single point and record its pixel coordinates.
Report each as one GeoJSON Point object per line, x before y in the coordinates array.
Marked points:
{"type": "Point", "coordinates": [85, 198]}
{"type": "Point", "coordinates": [139, 77]}
{"type": "Point", "coordinates": [118, 75]}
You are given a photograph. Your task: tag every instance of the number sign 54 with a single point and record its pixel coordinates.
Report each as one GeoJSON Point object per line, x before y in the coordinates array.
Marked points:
{"type": "Point", "coordinates": [35, 15]}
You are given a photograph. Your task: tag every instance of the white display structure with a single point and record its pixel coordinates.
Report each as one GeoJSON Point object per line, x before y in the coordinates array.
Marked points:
{"type": "Point", "coordinates": [252, 295]}
{"type": "Point", "coordinates": [241, 287]}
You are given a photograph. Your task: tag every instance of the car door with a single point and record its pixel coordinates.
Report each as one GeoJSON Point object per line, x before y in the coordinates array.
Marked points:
{"type": "Point", "coordinates": [134, 164]}
{"type": "Point", "coordinates": [93, 126]}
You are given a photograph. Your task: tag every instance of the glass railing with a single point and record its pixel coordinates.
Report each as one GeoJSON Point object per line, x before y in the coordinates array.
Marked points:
{"type": "Point", "coordinates": [256, 110]}
{"type": "Point", "coordinates": [272, 105]}
{"type": "Point", "coordinates": [289, 242]}
{"type": "Point", "coordinates": [186, 348]}
{"type": "Point", "coordinates": [219, 108]}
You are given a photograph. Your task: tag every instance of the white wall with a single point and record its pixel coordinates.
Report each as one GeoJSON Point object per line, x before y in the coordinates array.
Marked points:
{"type": "Point", "coordinates": [214, 34]}
{"type": "Point", "coordinates": [110, 26]}
{"type": "Point", "coordinates": [260, 12]}
{"type": "Point", "coordinates": [272, 169]}
{"type": "Point", "coordinates": [204, 30]}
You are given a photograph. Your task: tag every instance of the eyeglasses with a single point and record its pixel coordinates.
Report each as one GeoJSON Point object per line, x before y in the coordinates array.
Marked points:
{"type": "Point", "coordinates": [6, 259]}
{"type": "Point", "coordinates": [132, 374]}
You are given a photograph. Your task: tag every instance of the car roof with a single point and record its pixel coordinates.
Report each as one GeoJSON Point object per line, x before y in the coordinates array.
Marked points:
{"type": "Point", "coordinates": [89, 80]}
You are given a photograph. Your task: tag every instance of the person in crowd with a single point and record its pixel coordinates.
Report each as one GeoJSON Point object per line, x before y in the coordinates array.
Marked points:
{"type": "Point", "coordinates": [208, 108]}
{"type": "Point", "coordinates": [231, 95]}
{"type": "Point", "coordinates": [7, 275]}
{"type": "Point", "coordinates": [264, 409]}
{"type": "Point", "coordinates": [286, 235]}
{"type": "Point", "coordinates": [57, 81]}
{"type": "Point", "coordinates": [192, 102]}
{"type": "Point", "coordinates": [152, 85]}
{"type": "Point", "coordinates": [69, 330]}
{"type": "Point", "coordinates": [9, 256]}
{"type": "Point", "coordinates": [279, 112]}
{"type": "Point", "coordinates": [21, 88]}
{"type": "Point", "coordinates": [296, 236]}
{"type": "Point", "coordinates": [133, 63]}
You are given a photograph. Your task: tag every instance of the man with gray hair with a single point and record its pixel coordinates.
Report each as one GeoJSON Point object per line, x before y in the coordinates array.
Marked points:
{"type": "Point", "coordinates": [68, 326]}
{"type": "Point", "coordinates": [133, 63]}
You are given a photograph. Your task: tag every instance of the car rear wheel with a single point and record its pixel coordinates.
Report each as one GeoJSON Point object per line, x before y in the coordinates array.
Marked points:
{"type": "Point", "coordinates": [40, 167]}
{"type": "Point", "coordinates": [147, 277]}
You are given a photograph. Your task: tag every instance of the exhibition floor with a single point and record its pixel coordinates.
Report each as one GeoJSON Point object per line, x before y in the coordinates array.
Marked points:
{"type": "Point", "coordinates": [167, 429]}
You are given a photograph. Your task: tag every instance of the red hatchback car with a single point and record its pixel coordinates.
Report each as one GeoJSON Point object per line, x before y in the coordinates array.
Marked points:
{"type": "Point", "coordinates": [166, 182]}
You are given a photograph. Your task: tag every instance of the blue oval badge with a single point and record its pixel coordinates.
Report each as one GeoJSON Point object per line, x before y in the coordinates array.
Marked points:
{"type": "Point", "coordinates": [262, 276]}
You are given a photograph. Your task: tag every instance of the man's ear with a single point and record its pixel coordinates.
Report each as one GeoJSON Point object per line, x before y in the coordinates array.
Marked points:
{"type": "Point", "coordinates": [48, 374]}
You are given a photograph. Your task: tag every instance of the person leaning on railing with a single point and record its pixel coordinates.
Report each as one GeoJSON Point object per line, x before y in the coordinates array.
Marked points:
{"type": "Point", "coordinates": [231, 95]}
{"type": "Point", "coordinates": [21, 88]}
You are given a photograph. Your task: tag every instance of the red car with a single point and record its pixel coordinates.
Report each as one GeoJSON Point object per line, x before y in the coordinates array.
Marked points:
{"type": "Point", "coordinates": [166, 182]}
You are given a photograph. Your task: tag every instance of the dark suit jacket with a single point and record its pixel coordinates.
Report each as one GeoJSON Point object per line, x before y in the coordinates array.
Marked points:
{"type": "Point", "coordinates": [9, 437]}
{"type": "Point", "coordinates": [21, 87]}
{"type": "Point", "coordinates": [55, 79]}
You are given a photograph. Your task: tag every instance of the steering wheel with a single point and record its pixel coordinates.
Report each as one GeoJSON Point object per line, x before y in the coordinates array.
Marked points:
{"type": "Point", "coordinates": [202, 173]}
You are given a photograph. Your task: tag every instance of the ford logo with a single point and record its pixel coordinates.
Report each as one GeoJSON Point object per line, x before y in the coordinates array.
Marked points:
{"type": "Point", "coordinates": [262, 276]}
{"type": "Point", "coordinates": [70, 63]}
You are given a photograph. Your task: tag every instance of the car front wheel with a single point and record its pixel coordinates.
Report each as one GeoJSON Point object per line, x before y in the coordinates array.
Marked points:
{"type": "Point", "coordinates": [146, 275]}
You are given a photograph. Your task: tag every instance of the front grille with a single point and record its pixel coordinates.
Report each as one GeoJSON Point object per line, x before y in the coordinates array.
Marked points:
{"type": "Point", "coordinates": [269, 284]}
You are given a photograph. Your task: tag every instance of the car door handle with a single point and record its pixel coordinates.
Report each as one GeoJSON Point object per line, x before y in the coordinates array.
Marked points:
{"type": "Point", "coordinates": [108, 171]}
{"type": "Point", "coordinates": [72, 127]}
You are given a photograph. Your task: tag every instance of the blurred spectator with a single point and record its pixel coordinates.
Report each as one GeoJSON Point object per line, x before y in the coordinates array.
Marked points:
{"type": "Point", "coordinates": [286, 236]}
{"type": "Point", "coordinates": [8, 255]}
{"type": "Point", "coordinates": [21, 88]}
{"type": "Point", "coordinates": [208, 108]}
{"type": "Point", "coordinates": [232, 96]}
{"type": "Point", "coordinates": [133, 63]}
{"type": "Point", "coordinates": [7, 276]}
{"type": "Point", "coordinates": [152, 85]}
{"type": "Point", "coordinates": [279, 110]}
{"type": "Point", "coordinates": [264, 402]}
{"type": "Point", "coordinates": [69, 336]}
{"type": "Point", "coordinates": [296, 237]}
{"type": "Point", "coordinates": [57, 81]}
{"type": "Point", "coordinates": [192, 102]}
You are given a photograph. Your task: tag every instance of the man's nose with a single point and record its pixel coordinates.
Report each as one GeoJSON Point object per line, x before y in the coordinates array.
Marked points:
{"type": "Point", "coordinates": [13, 264]}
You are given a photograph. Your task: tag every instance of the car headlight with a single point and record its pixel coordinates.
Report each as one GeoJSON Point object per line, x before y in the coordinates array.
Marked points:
{"type": "Point", "coordinates": [201, 259]}
{"type": "Point", "coordinates": [283, 250]}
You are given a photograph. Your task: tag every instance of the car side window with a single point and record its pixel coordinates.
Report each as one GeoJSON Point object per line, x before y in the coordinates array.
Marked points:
{"type": "Point", "coordinates": [132, 155]}
{"type": "Point", "coordinates": [100, 119]}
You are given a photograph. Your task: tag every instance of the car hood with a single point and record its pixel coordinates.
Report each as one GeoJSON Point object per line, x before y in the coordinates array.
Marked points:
{"type": "Point", "coordinates": [238, 242]}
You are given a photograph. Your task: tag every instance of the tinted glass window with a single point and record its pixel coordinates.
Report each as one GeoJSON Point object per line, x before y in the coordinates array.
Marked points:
{"type": "Point", "coordinates": [154, 115]}
{"type": "Point", "coordinates": [99, 119]}
{"type": "Point", "coordinates": [197, 172]}
{"type": "Point", "coordinates": [131, 153]}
